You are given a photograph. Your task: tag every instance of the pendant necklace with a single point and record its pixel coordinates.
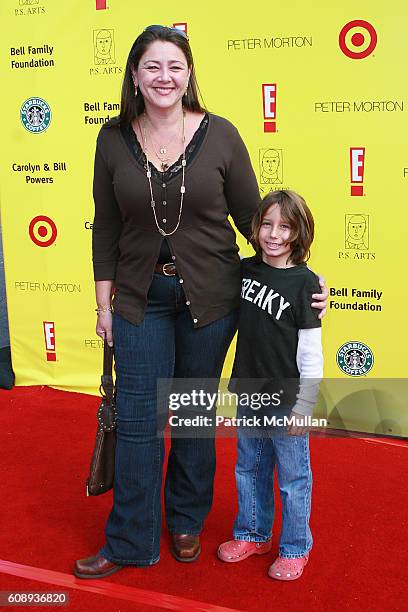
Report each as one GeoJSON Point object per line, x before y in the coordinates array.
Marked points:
{"type": "Point", "coordinates": [162, 156]}
{"type": "Point", "coordinates": [149, 177]}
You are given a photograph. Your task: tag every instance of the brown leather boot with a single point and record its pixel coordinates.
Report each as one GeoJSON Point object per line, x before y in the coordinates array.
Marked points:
{"type": "Point", "coordinates": [95, 567]}
{"type": "Point", "coordinates": [185, 547]}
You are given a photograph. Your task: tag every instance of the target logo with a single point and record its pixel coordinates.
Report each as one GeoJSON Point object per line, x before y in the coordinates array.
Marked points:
{"type": "Point", "coordinates": [181, 26]}
{"type": "Point", "coordinates": [269, 106]}
{"type": "Point", "coordinates": [357, 159]}
{"type": "Point", "coordinates": [49, 337]}
{"type": "Point", "coordinates": [358, 39]}
{"type": "Point", "coordinates": [43, 231]}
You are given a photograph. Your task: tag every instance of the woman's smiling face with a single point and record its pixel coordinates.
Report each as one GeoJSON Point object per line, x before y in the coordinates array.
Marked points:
{"type": "Point", "coordinates": [162, 75]}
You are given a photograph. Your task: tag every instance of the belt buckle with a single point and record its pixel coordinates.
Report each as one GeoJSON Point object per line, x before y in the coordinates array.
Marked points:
{"type": "Point", "coordinates": [168, 273]}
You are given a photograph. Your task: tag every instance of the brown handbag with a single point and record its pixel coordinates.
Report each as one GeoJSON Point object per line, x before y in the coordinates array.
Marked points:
{"type": "Point", "coordinates": [102, 469]}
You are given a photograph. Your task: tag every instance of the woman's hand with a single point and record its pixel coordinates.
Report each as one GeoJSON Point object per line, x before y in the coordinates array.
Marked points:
{"type": "Point", "coordinates": [104, 326]}
{"type": "Point", "coordinates": [103, 291]}
{"type": "Point", "coordinates": [321, 298]}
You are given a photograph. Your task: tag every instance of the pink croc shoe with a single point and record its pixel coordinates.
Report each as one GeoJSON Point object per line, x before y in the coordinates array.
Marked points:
{"type": "Point", "coordinates": [238, 550]}
{"type": "Point", "coordinates": [287, 569]}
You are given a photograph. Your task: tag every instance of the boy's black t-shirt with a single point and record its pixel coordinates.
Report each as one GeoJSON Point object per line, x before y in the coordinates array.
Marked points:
{"type": "Point", "coordinates": [275, 303]}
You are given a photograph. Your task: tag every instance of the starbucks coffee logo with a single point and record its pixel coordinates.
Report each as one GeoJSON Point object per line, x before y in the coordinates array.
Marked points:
{"type": "Point", "coordinates": [35, 115]}
{"type": "Point", "coordinates": [355, 358]}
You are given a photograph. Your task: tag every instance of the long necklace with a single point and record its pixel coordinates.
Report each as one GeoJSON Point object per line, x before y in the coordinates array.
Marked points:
{"type": "Point", "coordinates": [149, 178]}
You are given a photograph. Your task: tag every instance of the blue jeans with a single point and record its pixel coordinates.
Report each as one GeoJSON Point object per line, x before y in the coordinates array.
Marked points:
{"type": "Point", "coordinates": [254, 473]}
{"type": "Point", "coordinates": [164, 345]}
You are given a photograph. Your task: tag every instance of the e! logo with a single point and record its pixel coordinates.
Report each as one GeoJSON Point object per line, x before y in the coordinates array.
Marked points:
{"type": "Point", "coordinates": [357, 157]}
{"type": "Point", "coordinates": [269, 106]}
{"type": "Point", "coordinates": [49, 337]}
{"type": "Point", "coordinates": [181, 26]}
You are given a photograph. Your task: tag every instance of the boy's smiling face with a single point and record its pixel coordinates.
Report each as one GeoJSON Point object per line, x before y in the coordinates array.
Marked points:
{"type": "Point", "coordinates": [274, 238]}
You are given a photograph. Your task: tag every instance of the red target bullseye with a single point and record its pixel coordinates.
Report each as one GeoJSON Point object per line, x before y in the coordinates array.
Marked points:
{"type": "Point", "coordinates": [366, 39]}
{"type": "Point", "coordinates": [357, 39]}
{"type": "Point", "coordinates": [43, 231]}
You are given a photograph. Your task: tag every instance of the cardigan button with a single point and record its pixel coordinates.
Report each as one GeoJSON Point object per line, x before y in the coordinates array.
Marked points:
{"type": "Point", "coordinates": [195, 320]}
{"type": "Point", "coordinates": [181, 281]}
{"type": "Point", "coordinates": [188, 303]}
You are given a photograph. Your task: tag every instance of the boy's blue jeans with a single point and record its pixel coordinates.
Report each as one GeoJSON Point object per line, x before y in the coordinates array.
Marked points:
{"type": "Point", "coordinates": [254, 472]}
{"type": "Point", "coordinates": [164, 345]}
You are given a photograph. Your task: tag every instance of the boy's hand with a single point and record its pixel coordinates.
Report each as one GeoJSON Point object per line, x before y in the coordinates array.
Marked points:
{"type": "Point", "coordinates": [300, 429]}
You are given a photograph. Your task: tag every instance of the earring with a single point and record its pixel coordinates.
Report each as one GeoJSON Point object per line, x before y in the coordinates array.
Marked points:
{"type": "Point", "coordinates": [136, 91]}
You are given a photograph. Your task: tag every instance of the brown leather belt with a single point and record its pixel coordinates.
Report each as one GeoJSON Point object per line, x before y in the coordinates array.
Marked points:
{"type": "Point", "coordinates": [168, 269]}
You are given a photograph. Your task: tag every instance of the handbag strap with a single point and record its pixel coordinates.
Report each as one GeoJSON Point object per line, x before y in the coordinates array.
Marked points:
{"type": "Point", "coordinates": [106, 378]}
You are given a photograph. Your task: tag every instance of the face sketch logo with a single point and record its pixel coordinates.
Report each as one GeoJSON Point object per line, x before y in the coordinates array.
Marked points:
{"type": "Point", "coordinates": [35, 115]}
{"type": "Point", "coordinates": [104, 47]}
{"type": "Point", "coordinates": [181, 26]}
{"type": "Point", "coordinates": [357, 236]}
{"type": "Point", "coordinates": [357, 159]}
{"type": "Point", "coordinates": [355, 358]}
{"type": "Point", "coordinates": [269, 106]}
{"type": "Point", "coordinates": [49, 337]}
{"type": "Point", "coordinates": [42, 231]}
{"type": "Point", "coordinates": [271, 166]}
{"type": "Point", "coordinates": [358, 39]}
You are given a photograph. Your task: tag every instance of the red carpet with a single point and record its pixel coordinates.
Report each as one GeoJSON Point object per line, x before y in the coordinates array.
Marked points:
{"type": "Point", "coordinates": [359, 523]}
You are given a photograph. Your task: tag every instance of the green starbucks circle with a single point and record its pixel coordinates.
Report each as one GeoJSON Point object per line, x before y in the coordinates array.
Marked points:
{"type": "Point", "coordinates": [355, 358]}
{"type": "Point", "coordinates": [35, 115]}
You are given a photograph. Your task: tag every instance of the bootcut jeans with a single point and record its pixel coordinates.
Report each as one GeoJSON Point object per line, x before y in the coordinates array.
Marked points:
{"type": "Point", "coordinates": [164, 345]}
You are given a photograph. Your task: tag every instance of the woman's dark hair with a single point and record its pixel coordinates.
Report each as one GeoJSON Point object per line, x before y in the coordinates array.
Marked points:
{"type": "Point", "coordinates": [296, 213]}
{"type": "Point", "coordinates": [131, 106]}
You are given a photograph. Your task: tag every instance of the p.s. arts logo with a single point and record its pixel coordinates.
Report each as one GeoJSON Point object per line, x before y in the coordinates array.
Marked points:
{"type": "Point", "coordinates": [269, 106]}
{"type": "Point", "coordinates": [35, 115]}
{"type": "Point", "coordinates": [29, 7]}
{"type": "Point", "coordinates": [271, 168]}
{"type": "Point", "coordinates": [357, 160]}
{"type": "Point", "coordinates": [104, 47]}
{"type": "Point", "coordinates": [358, 39]}
{"type": "Point", "coordinates": [355, 358]}
{"type": "Point", "coordinates": [42, 231]}
{"type": "Point", "coordinates": [357, 232]}
{"type": "Point", "coordinates": [104, 55]}
{"type": "Point", "coordinates": [357, 239]}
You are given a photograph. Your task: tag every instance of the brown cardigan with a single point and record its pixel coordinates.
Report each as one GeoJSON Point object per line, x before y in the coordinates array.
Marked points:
{"type": "Point", "coordinates": [126, 243]}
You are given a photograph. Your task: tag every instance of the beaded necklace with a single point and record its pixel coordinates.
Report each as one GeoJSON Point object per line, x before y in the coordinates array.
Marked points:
{"type": "Point", "coordinates": [149, 178]}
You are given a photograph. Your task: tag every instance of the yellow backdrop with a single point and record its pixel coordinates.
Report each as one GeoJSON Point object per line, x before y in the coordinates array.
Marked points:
{"type": "Point", "coordinates": [320, 98]}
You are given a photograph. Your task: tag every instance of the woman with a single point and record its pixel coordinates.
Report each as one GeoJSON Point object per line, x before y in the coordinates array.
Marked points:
{"type": "Point", "coordinates": [167, 175]}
